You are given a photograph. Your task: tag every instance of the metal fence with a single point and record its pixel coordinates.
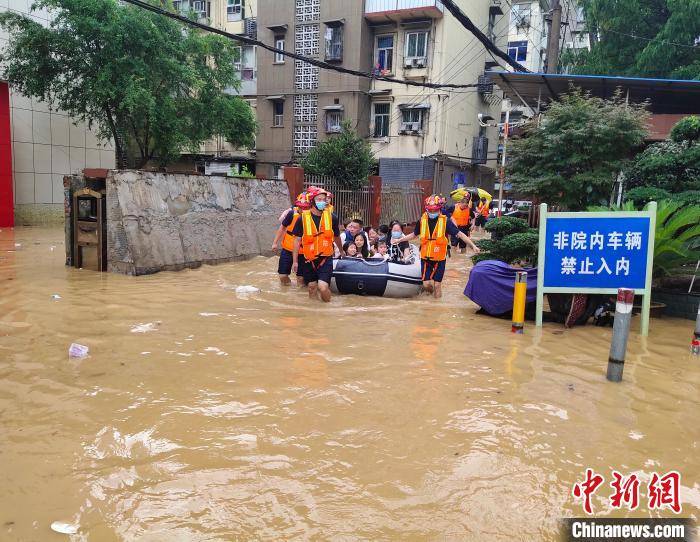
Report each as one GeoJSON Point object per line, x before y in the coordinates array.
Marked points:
{"type": "Point", "coordinates": [398, 202]}
{"type": "Point", "coordinates": [402, 203]}
{"type": "Point", "coordinates": [347, 204]}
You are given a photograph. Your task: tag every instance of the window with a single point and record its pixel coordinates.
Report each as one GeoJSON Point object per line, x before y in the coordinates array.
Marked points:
{"type": "Point", "coordinates": [234, 10]}
{"type": "Point", "coordinates": [382, 114]}
{"type": "Point", "coordinates": [385, 55]}
{"type": "Point", "coordinates": [279, 44]}
{"type": "Point", "coordinates": [412, 120]}
{"type": "Point", "coordinates": [334, 43]}
{"type": "Point", "coordinates": [248, 67]}
{"type": "Point", "coordinates": [517, 50]}
{"type": "Point", "coordinates": [520, 16]}
{"type": "Point", "coordinates": [200, 8]}
{"type": "Point", "coordinates": [334, 122]}
{"type": "Point", "coordinates": [416, 48]}
{"type": "Point", "coordinates": [278, 113]}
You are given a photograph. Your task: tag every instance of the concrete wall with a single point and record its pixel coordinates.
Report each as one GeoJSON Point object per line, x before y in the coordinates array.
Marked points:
{"type": "Point", "coordinates": [159, 221]}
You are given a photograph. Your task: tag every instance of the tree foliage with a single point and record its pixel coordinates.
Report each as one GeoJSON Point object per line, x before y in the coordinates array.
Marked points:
{"type": "Point", "coordinates": [671, 166]}
{"type": "Point", "coordinates": [511, 241]}
{"type": "Point", "coordinates": [346, 157]}
{"type": "Point", "coordinates": [131, 73]}
{"type": "Point", "coordinates": [643, 38]}
{"type": "Point", "coordinates": [574, 155]}
{"type": "Point", "coordinates": [687, 129]}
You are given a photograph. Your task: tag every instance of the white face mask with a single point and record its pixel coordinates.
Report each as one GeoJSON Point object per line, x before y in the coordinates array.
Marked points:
{"type": "Point", "coordinates": [321, 205]}
{"type": "Point", "coordinates": [433, 215]}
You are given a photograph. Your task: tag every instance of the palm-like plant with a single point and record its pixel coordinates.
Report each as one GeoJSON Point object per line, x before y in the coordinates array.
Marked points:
{"type": "Point", "coordinates": [677, 236]}
{"type": "Point", "coordinates": [677, 239]}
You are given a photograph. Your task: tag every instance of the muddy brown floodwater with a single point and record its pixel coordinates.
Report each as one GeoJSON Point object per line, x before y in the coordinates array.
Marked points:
{"type": "Point", "coordinates": [201, 414]}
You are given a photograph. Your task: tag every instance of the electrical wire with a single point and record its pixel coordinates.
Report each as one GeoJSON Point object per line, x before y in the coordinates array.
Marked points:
{"type": "Point", "coordinates": [318, 63]}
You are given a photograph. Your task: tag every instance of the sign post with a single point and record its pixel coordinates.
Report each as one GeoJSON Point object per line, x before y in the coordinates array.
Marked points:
{"type": "Point", "coordinates": [596, 253]}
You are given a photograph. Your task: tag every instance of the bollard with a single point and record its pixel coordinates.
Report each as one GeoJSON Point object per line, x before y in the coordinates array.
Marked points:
{"type": "Point", "coordinates": [695, 345]}
{"type": "Point", "coordinates": [621, 331]}
{"type": "Point", "coordinates": [519, 299]}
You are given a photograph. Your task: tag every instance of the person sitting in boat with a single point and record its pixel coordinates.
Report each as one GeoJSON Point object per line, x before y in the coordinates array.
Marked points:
{"type": "Point", "coordinates": [352, 229]}
{"type": "Point", "coordinates": [288, 221]}
{"type": "Point", "coordinates": [462, 215]}
{"type": "Point", "coordinates": [362, 246]}
{"type": "Point", "coordinates": [316, 232]}
{"type": "Point", "coordinates": [350, 249]}
{"type": "Point", "coordinates": [383, 233]}
{"type": "Point", "coordinates": [433, 229]}
{"type": "Point", "coordinates": [382, 250]}
{"type": "Point", "coordinates": [399, 252]}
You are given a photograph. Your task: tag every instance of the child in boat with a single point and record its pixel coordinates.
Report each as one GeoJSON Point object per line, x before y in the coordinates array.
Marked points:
{"type": "Point", "coordinates": [382, 250]}
{"type": "Point", "coordinates": [361, 244]}
{"type": "Point", "coordinates": [350, 250]}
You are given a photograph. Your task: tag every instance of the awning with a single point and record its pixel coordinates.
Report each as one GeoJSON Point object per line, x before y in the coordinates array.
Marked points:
{"type": "Point", "coordinates": [424, 105]}
{"type": "Point", "coordinates": [275, 98]}
{"type": "Point", "coordinates": [665, 95]}
{"type": "Point", "coordinates": [278, 27]}
{"type": "Point", "coordinates": [335, 22]}
{"type": "Point", "coordinates": [379, 91]}
{"type": "Point", "coordinates": [334, 107]}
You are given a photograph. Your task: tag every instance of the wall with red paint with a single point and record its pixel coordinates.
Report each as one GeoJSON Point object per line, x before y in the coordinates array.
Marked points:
{"type": "Point", "coordinates": [7, 214]}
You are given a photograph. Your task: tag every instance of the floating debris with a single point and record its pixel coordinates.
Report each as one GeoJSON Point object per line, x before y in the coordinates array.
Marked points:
{"type": "Point", "coordinates": [56, 296]}
{"type": "Point", "coordinates": [247, 290]}
{"type": "Point", "coordinates": [78, 350]}
{"type": "Point", "coordinates": [145, 328]}
{"type": "Point", "coordinates": [64, 527]}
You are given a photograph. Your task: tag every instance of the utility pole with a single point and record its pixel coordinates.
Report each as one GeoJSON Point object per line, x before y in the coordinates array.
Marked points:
{"type": "Point", "coordinates": [506, 130]}
{"type": "Point", "coordinates": [554, 38]}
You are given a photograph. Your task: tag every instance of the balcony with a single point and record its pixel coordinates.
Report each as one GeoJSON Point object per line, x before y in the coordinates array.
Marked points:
{"type": "Point", "coordinates": [401, 10]}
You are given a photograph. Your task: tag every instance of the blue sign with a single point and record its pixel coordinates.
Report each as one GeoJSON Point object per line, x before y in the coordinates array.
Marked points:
{"type": "Point", "coordinates": [596, 252]}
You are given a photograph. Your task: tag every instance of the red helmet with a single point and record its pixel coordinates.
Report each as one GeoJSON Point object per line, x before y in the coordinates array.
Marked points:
{"type": "Point", "coordinates": [434, 203]}
{"type": "Point", "coordinates": [313, 191]}
{"type": "Point", "coordinates": [303, 202]}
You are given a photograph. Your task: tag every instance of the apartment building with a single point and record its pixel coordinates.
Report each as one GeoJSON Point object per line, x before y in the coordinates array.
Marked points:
{"type": "Point", "coordinates": [236, 17]}
{"type": "Point", "coordinates": [38, 146]}
{"type": "Point", "coordinates": [416, 133]}
{"type": "Point", "coordinates": [300, 104]}
{"type": "Point", "coordinates": [424, 133]}
{"type": "Point", "coordinates": [528, 31]}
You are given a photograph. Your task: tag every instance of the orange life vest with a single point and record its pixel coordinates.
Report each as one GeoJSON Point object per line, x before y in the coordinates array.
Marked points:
{"type": "Point", "coordinates": [288, 241]}
{"type": "Point", "coordinates": [433, 245]}
{"type": "Point", "coordinates": [317, 242]}
{"type": "Point", "coordinates": [461, 216]}
{"type": "Point", "coordinates": [483, 209]}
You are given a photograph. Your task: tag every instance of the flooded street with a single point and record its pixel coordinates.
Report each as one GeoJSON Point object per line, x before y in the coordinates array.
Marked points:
{"type": "Point", "coordinates": [203, 414]}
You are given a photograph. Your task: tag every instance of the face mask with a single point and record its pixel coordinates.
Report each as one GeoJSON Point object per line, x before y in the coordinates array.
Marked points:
{"type": "Point", "coordinates": [396, 235]}
{"type": "Point", "coordinates": [433, 215]}
{"type": "Point", "coordinates": [321, 205]}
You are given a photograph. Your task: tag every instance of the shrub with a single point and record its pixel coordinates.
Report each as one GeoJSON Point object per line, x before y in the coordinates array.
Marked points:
{"type": "Point", "coordinates": [505, 225]}
{"type": "Point", "coordinates": [516, 247]}
{"type": "Point", "coordinates": [642, 195]}
{"type": "Point", "coordinates": [687, 129]}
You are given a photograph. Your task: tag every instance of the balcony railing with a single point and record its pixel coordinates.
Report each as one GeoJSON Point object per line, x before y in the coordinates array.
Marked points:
{"type": "Point", "coordinates": [480, 150]}
{"type": "Point", "coordinates": [403, 9]}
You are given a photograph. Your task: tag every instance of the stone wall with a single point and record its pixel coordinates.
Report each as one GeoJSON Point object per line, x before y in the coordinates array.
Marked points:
{"type": "Point", "coordinates": [164, 221]}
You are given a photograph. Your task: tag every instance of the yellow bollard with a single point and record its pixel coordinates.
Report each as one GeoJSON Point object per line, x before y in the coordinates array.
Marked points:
{"type": "Point", "coordinates": [519, 299]}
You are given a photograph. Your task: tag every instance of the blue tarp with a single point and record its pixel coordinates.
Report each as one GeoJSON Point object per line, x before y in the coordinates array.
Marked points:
{"type": "Point", "coordinates": [491, 284]}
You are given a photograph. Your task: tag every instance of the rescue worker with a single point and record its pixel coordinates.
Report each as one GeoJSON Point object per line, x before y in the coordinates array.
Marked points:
{"type": "Point", "coordinates": [316, 232]}
{"type": "Point", "coordinates": [287, 223]}
{"type": "Point", "coordinates": [462, 215]}
{"type": "Point", "coordinates": [482, 213]}
{"type": "Point", "coordinates": [433, 229]}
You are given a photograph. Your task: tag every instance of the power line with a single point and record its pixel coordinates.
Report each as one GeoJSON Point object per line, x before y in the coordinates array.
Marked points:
{"type": "Point", "coordinates": [490, 46]}
{"type": "Point", "coordinates": [667, 42]}
{"type": "Point", "coordinates": [319, 63]}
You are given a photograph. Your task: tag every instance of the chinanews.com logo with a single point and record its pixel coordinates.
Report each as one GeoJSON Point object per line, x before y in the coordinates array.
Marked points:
{"type": "Point", "coordinates": [661, 493]}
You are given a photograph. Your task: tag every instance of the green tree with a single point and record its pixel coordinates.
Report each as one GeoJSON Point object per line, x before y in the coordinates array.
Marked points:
{"type": "Point", "coordinates": [573, 157]}
{"type": "Point", "coordinates": [645, 38]}
{"type": "Point", "coordinates": [346, 157]}
{"type": "Point", "coordinates": [671, 166]}
{"type": "Point", "coordinates": [143, 80]}
{"type": "Point", "coordinates": [687, 129]}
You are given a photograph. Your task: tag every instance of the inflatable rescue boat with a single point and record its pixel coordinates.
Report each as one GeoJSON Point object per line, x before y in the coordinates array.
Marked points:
{"type": "Point", "coordinates": [375, 276]}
